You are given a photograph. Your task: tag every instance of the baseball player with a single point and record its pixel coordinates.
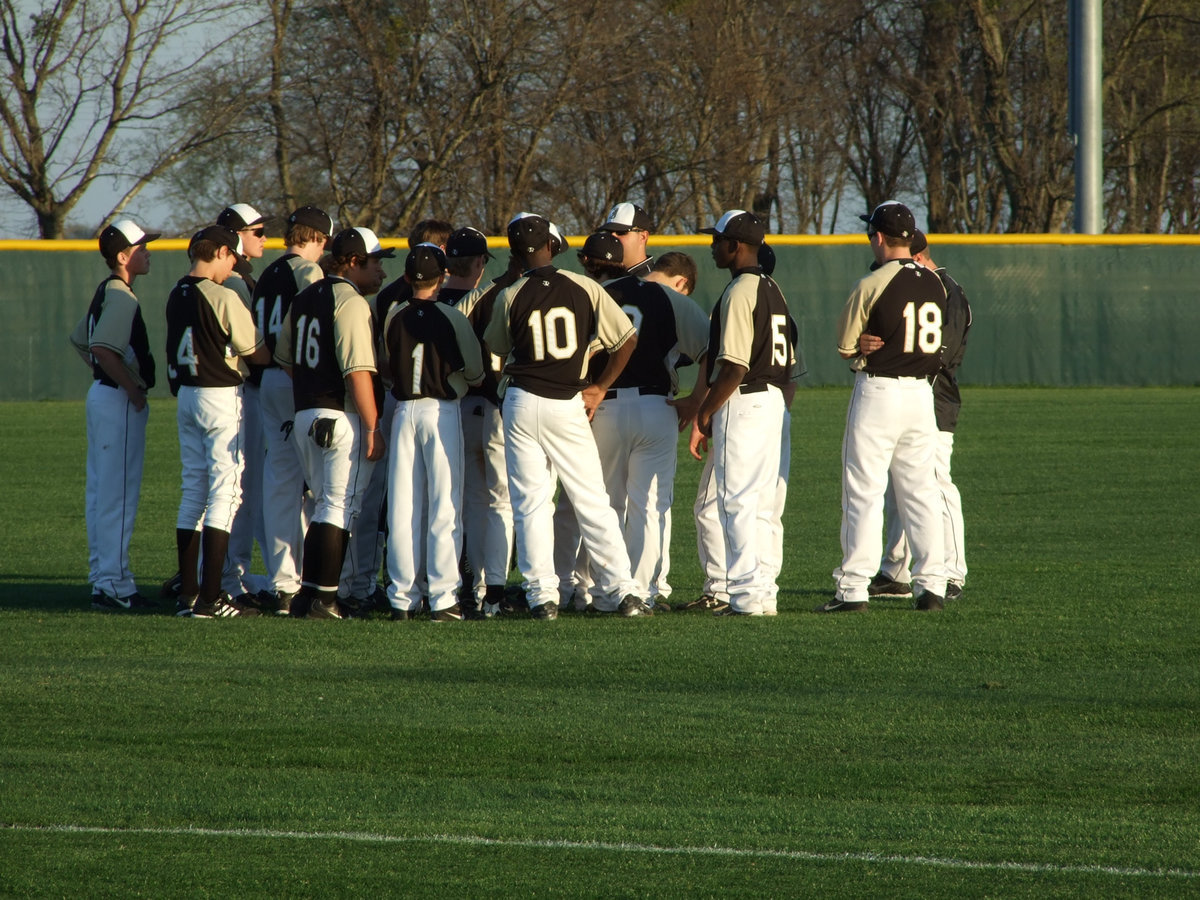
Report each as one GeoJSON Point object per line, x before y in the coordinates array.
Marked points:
{"type": "Point", "coordinates": [111, 339]}
{"type": "Point", "coordinates": [427, 231]}
{"type": "Point", "coordinates": [892, 579]}
{"type": "Point", "coordinates": [601, 258]}
{"type": "Point", "coordinates": [432, 355]}
{"type": "Point", "coordinates": [632, 226]}
{"type": "Point", "coordinates": [677, 271]}
{"type": "Point", "coordinates": [486, 499]}
{"type": "Point", "coordinates": [751, 352]}
{"type": "Point", "coordinates": [308, 231]}
{"type": "Point", "coordinates": [637, 424]}
{"type": "Point", "coordinates": [543, 325]}
{"type": "Point", "coordinates": [328, 344]}
{"type": "Point", "coordinates": [358, 590]}
{"type": "Point", "coordinates": [210, 339]}
{"type": "Point", "coordinates": [248, 524]}
{"type": "Point", "coordinates": [890, 426]}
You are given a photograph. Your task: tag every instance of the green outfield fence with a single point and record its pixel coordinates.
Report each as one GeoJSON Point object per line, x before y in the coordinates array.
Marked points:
{"type": "Point", "coordinates": [1055, 310]}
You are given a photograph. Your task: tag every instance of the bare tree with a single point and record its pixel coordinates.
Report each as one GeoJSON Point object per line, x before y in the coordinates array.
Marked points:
{"type": "Point", "coordinates": [1152, 113]}
{"type": "Point", "coordinates": [85, 87]}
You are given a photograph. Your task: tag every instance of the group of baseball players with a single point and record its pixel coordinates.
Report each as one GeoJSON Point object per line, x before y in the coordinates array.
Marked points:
{"type": "Point", "coordinates": [451, 425]}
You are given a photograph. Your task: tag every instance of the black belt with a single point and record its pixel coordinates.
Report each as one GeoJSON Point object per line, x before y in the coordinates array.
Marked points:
{"type": "Point", "coordinates": [753, 388]}
{"type": "Point", "coordinates": [644, 391]}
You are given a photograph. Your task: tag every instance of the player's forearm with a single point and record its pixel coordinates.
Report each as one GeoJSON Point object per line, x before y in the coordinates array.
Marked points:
{"type": "Point", "coordinates": [114, 368]}
{"type": "Point", "coordinates": [617, 360]}
{"type": "Point", "coordinates": [362, 390]}
{"type": "Point", "coordinates": [722, 389]}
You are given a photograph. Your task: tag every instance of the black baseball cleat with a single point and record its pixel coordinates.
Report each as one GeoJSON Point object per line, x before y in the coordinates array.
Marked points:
{"type": "Point", "coordinates": [184, 606]}
{"type": "Point", "coordinates": [929, 602]}
{"type": "Point", "coordinates": [401, 615]}
{"type": "Point", "coordinates": [102, 602]}
{"type": "Point", "coordinates": [449, 614]}
{"type": "Point", "coordinates": [283, 602]}
{"type": "Point", "coordinates": [705, 602]}
{"type": "Point", "coordinates": [138, 602]}
{"type": "Point", "coordinates": [729, 612]}
{"type": "Point", "coordinates": [171, 587]}
{"type": "Point", "coordinates": [837, 604]}
{"type": "Point", "coordinates": [659, 603]}
{"type": "Point", "coordinates": [953, 591]}
{"type": "Point", "coordinates": [882, 586]}
{"type": "Point", "coordinates": [632, 606]}
{"type": "Point", "coordinates": [222, 608]}
{"type": "Point", "coordinates": [324, 609]}
{"type": "Point", "coordinates": [544, 611]}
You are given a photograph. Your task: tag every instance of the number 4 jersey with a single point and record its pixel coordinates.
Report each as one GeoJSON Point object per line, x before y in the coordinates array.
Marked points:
{"type": "Point", "coordinates": [209, 329]}
{"type": "Point", "coordinates": [905, 304]}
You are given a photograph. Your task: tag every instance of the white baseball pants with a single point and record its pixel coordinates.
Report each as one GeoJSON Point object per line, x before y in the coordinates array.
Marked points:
{"type": "Point", "coordinates": [896, 558]}
{"type": "Point", "coordinates": [425, 503]}
{"type": "Point", "coordinates": [116, 453]}
{"type": "Point", "coordinates": [890, 426]}
{"type": "Point", "coordinates": [542, 437]}
{"type": "Point", "coordinates": [209, 420]}
{"type": "Point", "coordinates": [746, 461]}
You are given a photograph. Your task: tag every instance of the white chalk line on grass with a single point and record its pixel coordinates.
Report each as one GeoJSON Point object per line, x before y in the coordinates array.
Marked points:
{"type": "Point", "coordinates": [477, 841]}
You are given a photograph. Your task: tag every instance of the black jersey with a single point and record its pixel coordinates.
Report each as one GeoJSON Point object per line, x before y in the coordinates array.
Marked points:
{"type": "Point", "coordinates": [545, 323]}
{"type": "Point", "coordinates": [115, 291]}
{"type": "Point", "coordinates": [328, 333]}
{"type": "Point", "coordinates": [946, 398]}
{"type": "Point", "coordinates": [398, 291]}
{"type": "Point", "coordinates": [208, 330]}
{"type": "Point", "coordinates": [903, 303]}
{"type": "Point", "coordinates": [651, 365]}
{"type": "Point", "coordinates": [750, 326]}
{"type": "Point", "coordinates": [451, 296]}
{"type": "Point", "coordinates": [428, 342]}
{"type": "Point", "coordinates": [280, 283]}
{"type": "Point", "coordinates": [477, 306]}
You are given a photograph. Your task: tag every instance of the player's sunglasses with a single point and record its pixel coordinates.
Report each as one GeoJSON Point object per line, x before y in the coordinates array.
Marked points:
{"type": "Point", "coordinates": [257, 232]}
{"type": "Point", "coordinates": [627, 231]}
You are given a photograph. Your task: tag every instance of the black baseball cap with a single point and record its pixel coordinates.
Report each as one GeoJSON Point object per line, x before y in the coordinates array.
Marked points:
{"type": "Point", "coordinates": [239, 216]}
{"type": "Point", "coordinates": [892, 218]}
{"type": "Point", "coordinates": [220, 235]}
{"type": "Point", "coordinates": [425, 261]}
{"type": "Point", "coordinates": [604, 246]}
{"type": "Point", "coordinates": [359, 242]}
{"type": "Point", "coordinates": [467, 242]}
{"type": "Point", "coordinates": [313, 217]}
{"type": "Point", "coordinates": [919, 244]}
{"type": "Point", "coordinates": [121, 235]}
{"type": "Point", "coordinates": [528, 232]}
{"type": "Point", "coordinates": [739, 225]}
{"type": "Point", "coordinates": [766, 258]}
{"type": "Point", "coordinates": [627, 217]}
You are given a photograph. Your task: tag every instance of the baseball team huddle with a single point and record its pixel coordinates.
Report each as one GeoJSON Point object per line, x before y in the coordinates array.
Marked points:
{"type": "Point", "coordinates": [450, 425]}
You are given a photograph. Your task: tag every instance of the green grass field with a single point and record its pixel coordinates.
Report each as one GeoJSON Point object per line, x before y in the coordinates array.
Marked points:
{"type": "Point", "coordinates": [1038, 738]}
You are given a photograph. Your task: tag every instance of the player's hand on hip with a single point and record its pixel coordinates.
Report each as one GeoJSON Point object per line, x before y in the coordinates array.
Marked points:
{"type": "Point", "coordinates": [685, 408]}
{"type": "Point", "coordinates": [592, 396]}
{"type": "Point", "coordinates": [869, 343]}
{"type": "Point", "coordinates": [137, 398]}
